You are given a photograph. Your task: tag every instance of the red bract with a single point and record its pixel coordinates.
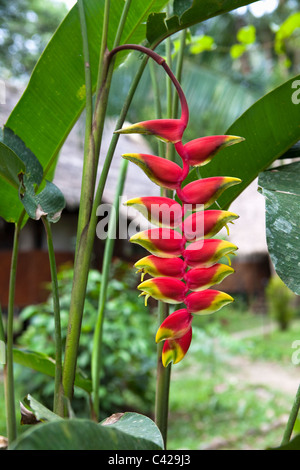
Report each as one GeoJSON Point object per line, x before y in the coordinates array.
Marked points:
{"type": "Point", "coordinates": [174, 350]}
{"type": "Point", "coordinates": [161, 267]}
{"type": "Point", "coordinates": [206, 191]}
{"type": "Point", "coordinates": [201, 278]}
{"type": "Point", "coordinates": [206, 224]}
{"type": "Point", "coordinates": [175, 325]}
{"type": "Point", "coordinates": [162, 172]}
{"type": "Point", "coordinates": [161, 211]}
{"type": "Point", "coordinates": [168, 130]}
{"type": "Point", "coordinates": [207, 252]}
{"type": "Point", "coordinates": [162, 242]}
{"type": "Point", "coordinates": [200, 151]}
{"type": "Point", "coordinates": [206, 301]}
{"type": "Point", "coordinates": [171, 291]}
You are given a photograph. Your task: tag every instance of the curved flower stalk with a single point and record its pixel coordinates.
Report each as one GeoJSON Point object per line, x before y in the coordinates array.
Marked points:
{"type": "Point", "coordinates": [183, 263]}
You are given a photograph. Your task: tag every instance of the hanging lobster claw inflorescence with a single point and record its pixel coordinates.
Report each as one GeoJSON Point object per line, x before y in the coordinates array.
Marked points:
{"type": "Point", "coordinates": [184, 259]}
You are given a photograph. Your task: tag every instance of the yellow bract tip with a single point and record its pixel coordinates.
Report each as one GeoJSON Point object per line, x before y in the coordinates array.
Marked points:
{"type": "Point", "coordinates": [234, 139]}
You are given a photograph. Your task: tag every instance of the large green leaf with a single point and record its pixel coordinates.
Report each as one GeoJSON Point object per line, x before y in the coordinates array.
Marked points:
{"type": "Point", "coordinates": [11, 167]}
{"type": "Point", "coordinates": [39, 411]}
{"type": "Point", "coordinates": [55, 95]}
{"type": "Point", "coordinates": [281, 188]}
{"type": "Point", "coordinates": [46, 365]}
{"type": "Point", "coordinates": [50, 202]}
{"type": "Point", "coordinates": [138, 426]}
{"type": "Point", "coordinates": [294, 444]}
{"type": "Point", "coordinates": [82, 434]}
{"type": "Point", "coordinates": [270, 127]}
{"type": "Point", "coordinates": [21, 174]}
{"type": "Point", "coordinates": [159, 26]}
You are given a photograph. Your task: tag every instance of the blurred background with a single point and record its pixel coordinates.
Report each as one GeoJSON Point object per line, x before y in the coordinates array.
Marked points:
{"type": "Point", "coordinates": [242, 372]}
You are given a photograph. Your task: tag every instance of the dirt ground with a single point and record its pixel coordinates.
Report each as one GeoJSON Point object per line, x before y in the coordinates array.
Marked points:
{"type": "Point", "coordinates": [265, 373]}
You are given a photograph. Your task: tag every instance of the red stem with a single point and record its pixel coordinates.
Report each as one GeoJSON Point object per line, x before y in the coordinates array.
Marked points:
{"type": "Point", "coordinates": [160, 61]}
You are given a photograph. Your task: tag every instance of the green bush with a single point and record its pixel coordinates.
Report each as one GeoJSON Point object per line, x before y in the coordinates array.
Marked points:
{"type": "Point", "coordinates": [129, 350]}
{"type": "Point", "coordinates": [281, 302]}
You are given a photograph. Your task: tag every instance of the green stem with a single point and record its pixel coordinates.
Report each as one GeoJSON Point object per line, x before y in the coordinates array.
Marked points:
{"type": "Point", "coordinates": [169, 147]}
{"type": "Point", "coordinates": [292, 419]}
{"type": "Point", "coordinates": [75, 314]}
{"type": "Point", "coordinates": [122, 23]}
{"type": "Point", "coordinates": [8, 368]}
{"type": "Point", "coordinates": [88, 171]}
{"type": "Point", "coordinates": [86, 228]}
{"type": "Point", "coordinates": [112, 147]}
{"type": "Point", "coordinates": [105, 77]}
{"type": "Point", "coordinates": [103, 46]}
{"type": "Point", "coordinates": [87, 71]}
{"type": "Point", "coordinates": [83, 249]}
{"type": "Point", "coordinates": [2, 333]}
{"type": "Point", "coordinates": [83, 258]}
{"type": "Point", "coordinates": [164, 373]}
{"type": "Point", "coordinates": [58, 391]}
{"type": "Point", "coordinates": [156, 92]}
{"type": "Point", "coordinates": [2, 340]}
{"type": "Point", "coordinates": [169, 83]}
{"type": "Point", "coordinates": [178, 72]}
{"type": "Point", "coordinates": [108, 252]}
{"type": "Point", "coordinates": [162, 383]}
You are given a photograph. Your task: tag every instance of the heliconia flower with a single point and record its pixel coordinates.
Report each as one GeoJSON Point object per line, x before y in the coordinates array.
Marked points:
{"type": "Point", "coordinates": [206, 301]}
{"type": "Point", "coordinates": [175, 325]}
{"type": "Point", "coordinates": [205, 191]}
{"type": "Point", "coordinates": [206, 252]}
{"type": "Point", "coordinates": [198, 279]}
{"type": "Point", "coordinates": [168, 130]}
{"type": "Point", "coordinates": [161, 211]}
{"type": "Point", "coordinates": [174, 350]}
{"type": "Point", "coordinates": [206, 224]}
{"type": "Point", "coordinates": [161, 267]}
{"type": "Point", "coordinates": [163, 242]}
{"type": "Point", "coordinates": [183, 255]}
{"type": "Point", "coordinates": [171, 291]}
{"type": "Point", "coordinates": [162, 172]}
{"type": "Point", "coordinates": [200, 151]}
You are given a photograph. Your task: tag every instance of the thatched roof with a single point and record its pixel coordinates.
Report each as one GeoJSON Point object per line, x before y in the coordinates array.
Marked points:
{"type": "Point", "coordinates": [248, 232]}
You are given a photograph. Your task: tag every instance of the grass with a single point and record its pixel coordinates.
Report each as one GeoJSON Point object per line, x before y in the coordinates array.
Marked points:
{"type": "Point", "coordinates": [220, 413]}
{"type": "Point", "coordinates": [277, 345]}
